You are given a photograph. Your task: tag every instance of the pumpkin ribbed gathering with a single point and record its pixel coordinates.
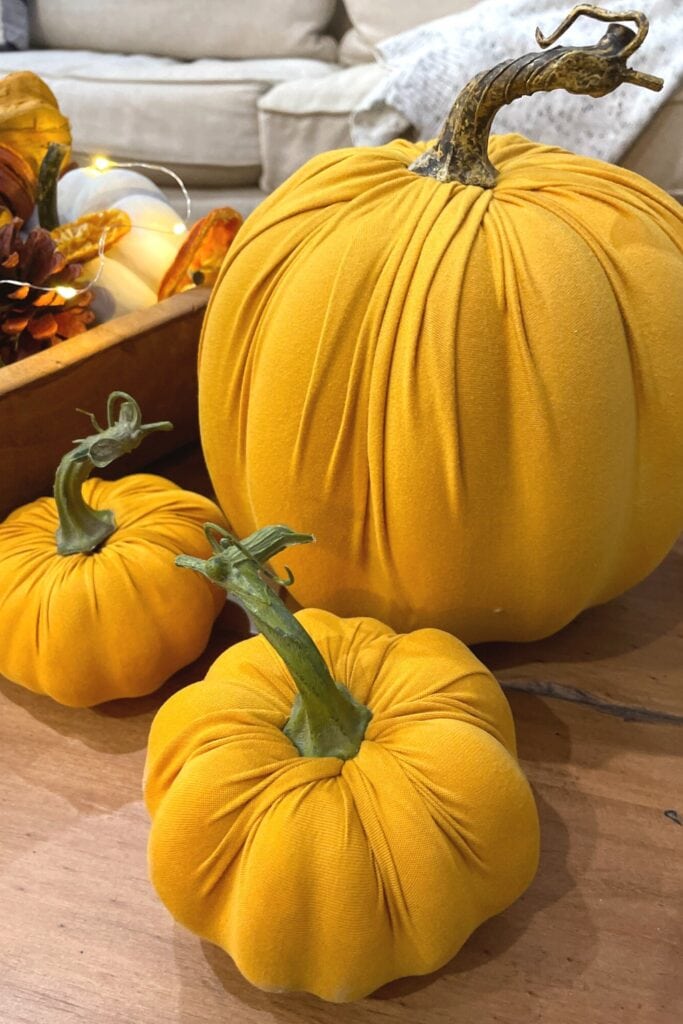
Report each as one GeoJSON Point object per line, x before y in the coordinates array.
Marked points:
{"type": "Point", "coordinates": [363, 844]}
{"type": "Point", "coordinates": [92, 606]}
{"type": "Point", "coordinates": [337, 876]}
{"type": "Point", "coordinates": [478, 409]}
{"type": "Point", "coordinates": [471, 395]}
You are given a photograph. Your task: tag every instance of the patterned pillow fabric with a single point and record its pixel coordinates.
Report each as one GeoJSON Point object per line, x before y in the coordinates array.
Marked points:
{"type": "Point", "coordinates": [13, 25]}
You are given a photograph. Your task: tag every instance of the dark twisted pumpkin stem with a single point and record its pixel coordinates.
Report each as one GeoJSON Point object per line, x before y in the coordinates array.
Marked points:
{"type": "Point", "coordinates": [81, 528]}
{"type": "Point", "coordinates": [48, 176]}
{"type": "Point", "coordinates": [326, 720]}
{"type": "Point", "coordinates": [461, 151]}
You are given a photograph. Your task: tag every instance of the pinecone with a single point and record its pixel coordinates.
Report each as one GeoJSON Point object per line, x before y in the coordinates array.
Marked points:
{"type": "Point", "coordinates": [32, 320]}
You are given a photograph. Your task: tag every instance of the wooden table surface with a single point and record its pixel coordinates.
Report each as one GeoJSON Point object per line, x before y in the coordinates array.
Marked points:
{"type": "Point", "coordinates": [597, 939]}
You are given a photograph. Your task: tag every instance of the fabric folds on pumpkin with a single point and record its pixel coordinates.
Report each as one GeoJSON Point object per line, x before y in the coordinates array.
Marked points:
{"type": "Point", "coordinates": [87, 628]}
{"type": "Point", "coordinates": [336, 876]}
{"type": "Point", "coordinates": [471, 397]}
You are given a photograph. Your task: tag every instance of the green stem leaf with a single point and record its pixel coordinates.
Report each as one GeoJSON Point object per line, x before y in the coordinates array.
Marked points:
{"type": "Point", "coordinates": [48, 176]}
{"type": "Point", "coordinates": [82, 529]}
{"type": "Point", "coordinates": [326, 720]}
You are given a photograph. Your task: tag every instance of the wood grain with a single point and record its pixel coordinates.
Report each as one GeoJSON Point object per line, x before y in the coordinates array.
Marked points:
{"type": "Point", "coordinates": [597, 939]}
{"type": "Point", "coordinates": [151, 353]}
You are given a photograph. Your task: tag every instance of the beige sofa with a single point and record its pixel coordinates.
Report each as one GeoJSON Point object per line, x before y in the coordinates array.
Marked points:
{"type": "Point", "coordinates": [235, 95]}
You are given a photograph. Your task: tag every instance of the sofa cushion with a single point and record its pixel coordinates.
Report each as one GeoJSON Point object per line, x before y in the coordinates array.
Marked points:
{"type": "Point", "coordinates": [378, 19]}
{"type": "Point", "coordinates": [179, 28]}
{"type": "Point", "coordinates": [354, 49]}
{"type": "Point", "coordinates": [201, 115]}
{"type": "Point", "coordinates": [297, 121]}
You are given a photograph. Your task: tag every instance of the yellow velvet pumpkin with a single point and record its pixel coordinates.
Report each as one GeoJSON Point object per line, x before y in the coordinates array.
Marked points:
{"type": "Point", "coordinates": [468, 381]}
{"type": "Point", "coordinates": [92, 606]}
{"type": "Point", "coordinates": [355, 834]}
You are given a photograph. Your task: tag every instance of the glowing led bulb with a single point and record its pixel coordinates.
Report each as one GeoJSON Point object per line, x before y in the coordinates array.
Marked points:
{"type": "Point", "coordinates": [66, 291]}
{"type": "Point", "coordinates": [101, 163]}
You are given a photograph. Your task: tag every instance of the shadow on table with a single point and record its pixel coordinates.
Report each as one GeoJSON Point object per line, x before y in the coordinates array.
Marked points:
{"type": "Point", "coordinates": [649, 611]}
{"type": "Point", "coordinates": [122, 726]}
{"type": "Point", "coordinates": [509, 949]}
{"type": "Point", "coordinates": [512, 948]}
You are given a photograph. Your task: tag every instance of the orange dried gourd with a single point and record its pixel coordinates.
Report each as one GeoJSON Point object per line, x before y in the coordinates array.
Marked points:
{"type": "Point", "coordinates": [30, 118]}
{"type": "Point", "coordinates": [17, 183]}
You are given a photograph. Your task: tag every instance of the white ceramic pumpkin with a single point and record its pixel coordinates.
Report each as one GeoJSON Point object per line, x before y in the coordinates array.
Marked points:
{"type": "Point", "coordinates": [87, 190]}
{"type": "Point", "coordinates": [118, 289]}
{"type": "Point", "coordinates": [133, 268]}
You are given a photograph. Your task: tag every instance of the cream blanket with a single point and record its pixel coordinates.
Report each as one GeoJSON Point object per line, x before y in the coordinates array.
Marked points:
{"type": "Point", "coordinates": [428, 65]}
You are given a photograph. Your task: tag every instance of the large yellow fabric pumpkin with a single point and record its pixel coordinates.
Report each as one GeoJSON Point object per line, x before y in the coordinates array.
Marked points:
{"type": "Point", "coordinates": [321, 864]}
{"type": "Point", "coordinates": [472, 392]}
{"type": "Point", "coordinates": [92, 606]}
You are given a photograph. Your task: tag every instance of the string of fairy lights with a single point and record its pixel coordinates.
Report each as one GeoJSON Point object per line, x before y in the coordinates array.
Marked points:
{"type": "Point", "coordinates": [103, 163]}
{"type": "Point", "coordinates": [98, 165]}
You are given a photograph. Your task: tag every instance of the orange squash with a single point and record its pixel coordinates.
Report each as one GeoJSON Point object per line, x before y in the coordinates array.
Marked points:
{"type": "Point", "coordinates": [30, 118]}
{"type": "Point", "coordinates": [17, 183]}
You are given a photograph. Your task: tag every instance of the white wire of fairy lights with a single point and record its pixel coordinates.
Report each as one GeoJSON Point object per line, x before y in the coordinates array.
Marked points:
{"type": "Point", "coordinates": [102, 164]}
{"type": "Point", "coordinates": [64, 290]}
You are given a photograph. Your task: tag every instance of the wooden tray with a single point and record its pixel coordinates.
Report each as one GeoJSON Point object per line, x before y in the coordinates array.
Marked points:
{"type": "Point", "coordinates": [151, 354]}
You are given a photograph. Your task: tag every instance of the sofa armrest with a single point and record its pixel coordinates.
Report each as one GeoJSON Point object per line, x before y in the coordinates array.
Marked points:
{"type": "Point", "coordinates": [301, 118]}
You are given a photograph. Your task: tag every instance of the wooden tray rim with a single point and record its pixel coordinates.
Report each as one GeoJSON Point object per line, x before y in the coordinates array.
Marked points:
{"type": "Point", "coordinates": [51, 361]}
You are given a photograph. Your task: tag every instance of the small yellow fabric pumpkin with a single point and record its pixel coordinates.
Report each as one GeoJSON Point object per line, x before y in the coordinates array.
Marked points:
{"type": "Point", "coordinates": [469, 382]}
{"type": "Point", "coordinates": [92, 606]}
{"type": "Point", "coordinates": [352, 834]}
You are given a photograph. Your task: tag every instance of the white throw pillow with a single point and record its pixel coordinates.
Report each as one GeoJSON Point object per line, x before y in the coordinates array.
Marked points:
{"type": "Point", "coordinates": [13, 25]}
{"type": "Point", "coordinates": [233, 29]}
{"type": "Point", "coordinates": [379, 19]}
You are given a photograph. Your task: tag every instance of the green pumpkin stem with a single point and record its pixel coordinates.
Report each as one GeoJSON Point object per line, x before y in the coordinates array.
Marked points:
{"type": "Point", "coordinates": [326, 720]}
{"type": "Point", "coordinates": [48, 175]}
{"type": "Point", "coordinates": [81, 528]}
{"type": "Point", "coordinates": [461, 151]}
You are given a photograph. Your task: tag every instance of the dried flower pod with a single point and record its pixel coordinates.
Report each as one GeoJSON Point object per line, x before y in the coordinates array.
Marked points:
{"type": "Point", "coordinates": [202, 253]}
{"type": "Point", "coordinates": [80, 239]}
